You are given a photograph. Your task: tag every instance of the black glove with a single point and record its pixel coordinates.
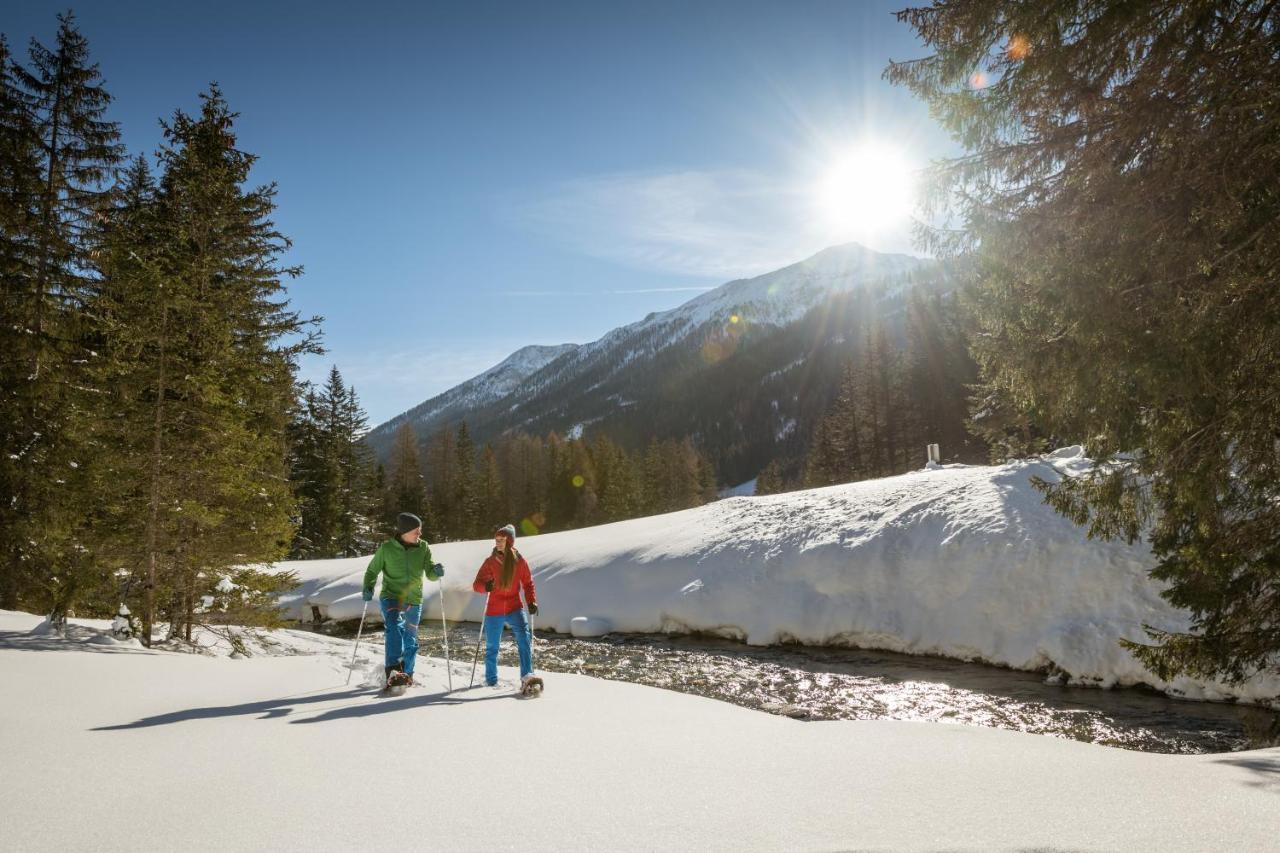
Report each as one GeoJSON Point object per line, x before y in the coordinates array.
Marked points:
{"type": "Point", "coordinates": [488, 586]}
{"type": "Point", "coordinates": [533, 608]}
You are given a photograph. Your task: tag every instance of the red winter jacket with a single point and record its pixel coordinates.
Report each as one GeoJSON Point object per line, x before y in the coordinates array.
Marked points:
{"type": "Point", "coordinates": [504, 600]}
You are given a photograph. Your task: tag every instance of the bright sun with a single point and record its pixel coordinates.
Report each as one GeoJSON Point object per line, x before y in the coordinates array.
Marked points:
{"type": "Point", "coordinates": [869, 189]}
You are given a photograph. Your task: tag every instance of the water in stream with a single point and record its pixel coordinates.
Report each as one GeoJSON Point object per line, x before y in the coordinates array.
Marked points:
{"type": "Point", "coordinates": [819, 683]}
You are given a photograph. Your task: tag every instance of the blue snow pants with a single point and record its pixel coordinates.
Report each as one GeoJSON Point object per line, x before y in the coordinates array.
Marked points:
{"type": "Point", "coordinates": [400, 624]}
{"type": "Point", "coordinates": [493, 634]}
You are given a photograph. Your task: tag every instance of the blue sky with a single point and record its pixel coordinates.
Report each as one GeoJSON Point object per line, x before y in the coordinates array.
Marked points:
{"type": "Point", "coordinates": [461, 179]}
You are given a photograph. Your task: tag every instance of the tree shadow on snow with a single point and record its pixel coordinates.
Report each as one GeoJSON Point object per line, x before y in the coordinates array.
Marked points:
{"type": "Point", "coordinates": [273, 709]}
{"type": "Point", "coordinates": [1266, 768]}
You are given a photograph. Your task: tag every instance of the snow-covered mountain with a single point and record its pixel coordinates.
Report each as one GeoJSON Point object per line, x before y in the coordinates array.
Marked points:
{"type": "Point", "coordinates": [677, 372]}
{"type": "Point", "coordinates": [494, 384]}
{"type": "Point", "coordinates": [777, 299]}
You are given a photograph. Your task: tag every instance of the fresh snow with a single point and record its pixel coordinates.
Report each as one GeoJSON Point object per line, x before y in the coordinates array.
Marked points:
{"type": "Point", "coordinates": [120, 749]}
{"type": "Point", "coordinates": [960, 561]}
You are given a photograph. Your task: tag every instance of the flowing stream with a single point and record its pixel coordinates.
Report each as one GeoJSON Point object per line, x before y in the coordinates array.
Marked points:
{"type": "Point", "coordinates": [821, 683]}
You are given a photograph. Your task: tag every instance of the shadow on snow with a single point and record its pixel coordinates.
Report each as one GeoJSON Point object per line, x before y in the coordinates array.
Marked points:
{"type": "Point", "coordinates": [273, 709]}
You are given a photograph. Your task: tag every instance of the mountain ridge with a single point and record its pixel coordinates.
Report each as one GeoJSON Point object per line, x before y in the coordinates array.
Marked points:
{"type": "Point", "coordinates": [658, 359]}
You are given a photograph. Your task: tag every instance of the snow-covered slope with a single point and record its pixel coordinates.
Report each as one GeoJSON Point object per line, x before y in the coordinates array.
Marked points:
{"type": "Point", "coordinates": [125, 750]}
{"type": "Point", "coordinates": [961, 561]}
{"type": "Point", "coordinates": [494, 384]}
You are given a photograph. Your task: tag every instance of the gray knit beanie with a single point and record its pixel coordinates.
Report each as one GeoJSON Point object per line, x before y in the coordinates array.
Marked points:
{"type": "Point", "coordinates": [405, 522]}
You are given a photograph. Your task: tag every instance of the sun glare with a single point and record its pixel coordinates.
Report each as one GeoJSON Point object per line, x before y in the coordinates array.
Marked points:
{"type": "Point", "coordinates": [869, 189]}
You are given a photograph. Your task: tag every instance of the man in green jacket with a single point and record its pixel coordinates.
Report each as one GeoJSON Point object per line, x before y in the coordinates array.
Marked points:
{"type": "Point", "coordinates": [402, 562]}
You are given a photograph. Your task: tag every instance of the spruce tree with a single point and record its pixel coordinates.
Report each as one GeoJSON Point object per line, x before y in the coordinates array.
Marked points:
{"type": "Point", "coordinates": [656, 488]}
{"type": "Point", "coordinates": [19, 189]}
{"type": "Point", "coordinates": [465, 509]}
{"type": "Point", "coordinates": [619, 489]}
{"type": "Point", "coordinates": [406, 489]}
{"type": "Point", "coordinates": [441, 465]}
{"type": "Point", "coordinates": [769, 482]}
{"type": "Point", "coordinates": [307, 474]}
{"type": "Point", "coordinates": [201, 356]}
{"type": "Point", "coordinates": [1118, 214]}
{"type": "Point", "coordinates": [54, 111]}
{"type": "Point", "coordinates": [357, 528]}
{"type": "Point", "coordinates": [490, 491]}
{"type": "Point", "coordinates": [332, 473]}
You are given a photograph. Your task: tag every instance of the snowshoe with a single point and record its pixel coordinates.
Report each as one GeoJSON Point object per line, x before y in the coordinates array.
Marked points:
{"type": "Point", "coordinates": [530, 686]}
{"type": "Point", "coordinates": [397, 682]}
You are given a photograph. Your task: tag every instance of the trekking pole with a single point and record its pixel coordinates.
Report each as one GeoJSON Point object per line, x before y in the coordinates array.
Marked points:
{"type": "Point", "coordinates": [448, 667]}
{"type": "Point", "coordinates": [479, 640]}
{"type": "Point", "coordinates": [531, 638]}
{"type": "Point", "coordinates": [531, 684]}
{"type": "Point", "coordinates": [359, 631]}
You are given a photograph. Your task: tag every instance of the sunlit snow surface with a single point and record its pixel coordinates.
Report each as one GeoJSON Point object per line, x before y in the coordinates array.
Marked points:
{"type": "Point", "coordinates": [121, 749]}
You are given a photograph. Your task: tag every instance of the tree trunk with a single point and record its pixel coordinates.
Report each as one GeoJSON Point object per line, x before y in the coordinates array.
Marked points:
{"type": "Point", "coordinates": [153, 514]}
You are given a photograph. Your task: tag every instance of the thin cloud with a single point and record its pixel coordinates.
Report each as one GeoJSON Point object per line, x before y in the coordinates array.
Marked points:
{"type": "Point", "coordinates": [603, 292]}
{"type": "Point", "coordinates": [716, 224]}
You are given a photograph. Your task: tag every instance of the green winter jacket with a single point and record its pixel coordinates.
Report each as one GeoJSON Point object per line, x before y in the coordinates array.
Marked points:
{"type": "Point", "coordinates": [402, 569]}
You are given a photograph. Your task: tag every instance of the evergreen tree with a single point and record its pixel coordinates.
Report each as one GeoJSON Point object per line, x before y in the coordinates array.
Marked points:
{"type": "Point", "coordinates": [836, 451]}
{"type": "Point", "coordinates": [442, 483]}
{"type": "Point", "coordinates": [332, 474]}
{"type": "Point", "coordinates": [562, 497]}
{"type": "Point", "coordinates": [406, 489]}
{"type": "Point", "coordinates": [770, 480]}
{"type": "Point", "coordinates": [201, 351]}
{"type": "Point", "coordinates": [939, 375]}
{"type": "Point", "coordinates": [465, 508]}
{"type": "Point", "coordinates": [357, 529]}
{"type": "Point", "coordinates": [1117, 209]}
{"type": "Point", "coordinates": [490, 491]}
{"type": "Point", "coordinates": [656, 489]}
{"type": "Point", "coordinates": [308, 475]}
{"type": "Point", "coordinates": [54, 116]}
{"type": "Point", "coordinates": [19, 189]}
{"type": "Point", "coordinates": [619, 488]}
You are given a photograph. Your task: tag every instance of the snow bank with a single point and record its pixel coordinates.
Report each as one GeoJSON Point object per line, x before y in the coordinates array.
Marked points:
{"type": "Point", "coordinates": [960, 561]}
{"type": "Point", "coordinates": [589, 626]}
{"type": "Point", "coordinates": [153, 750]}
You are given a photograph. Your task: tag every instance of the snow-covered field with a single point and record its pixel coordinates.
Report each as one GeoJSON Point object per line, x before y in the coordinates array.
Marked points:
{"type": "Point", "coordinates": [109, 747]}
{"type": "Point", "coordinates": [959, 561]}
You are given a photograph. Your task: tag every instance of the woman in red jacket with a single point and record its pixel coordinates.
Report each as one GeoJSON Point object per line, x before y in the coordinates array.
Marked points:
{"type": "Point", "coordinates": [502, 576]}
